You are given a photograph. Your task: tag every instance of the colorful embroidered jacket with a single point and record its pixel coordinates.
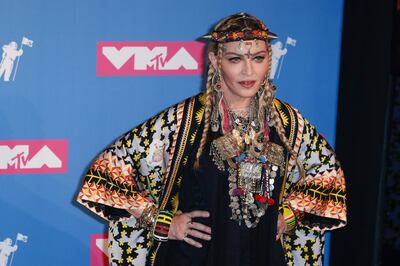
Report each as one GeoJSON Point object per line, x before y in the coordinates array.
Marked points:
{"type": "Point", "coordinates": [144, 167]}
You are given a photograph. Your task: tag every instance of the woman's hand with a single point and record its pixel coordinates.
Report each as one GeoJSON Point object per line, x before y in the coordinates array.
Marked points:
{"type": "Point", "coordinates": [281, 226]}
{"type": "Point", "coordinates": [182, 228]}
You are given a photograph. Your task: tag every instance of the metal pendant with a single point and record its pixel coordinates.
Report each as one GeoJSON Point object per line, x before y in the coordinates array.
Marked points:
{"type": "Point", "coordinates": [250, 176]}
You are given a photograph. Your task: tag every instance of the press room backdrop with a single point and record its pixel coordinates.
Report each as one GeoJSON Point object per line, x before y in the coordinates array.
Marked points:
{"type": "Point", "coordinates": [74, 75]}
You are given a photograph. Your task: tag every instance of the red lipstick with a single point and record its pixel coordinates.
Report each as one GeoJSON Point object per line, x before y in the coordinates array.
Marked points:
{"type": "Point", "coordinates": [247, 83]}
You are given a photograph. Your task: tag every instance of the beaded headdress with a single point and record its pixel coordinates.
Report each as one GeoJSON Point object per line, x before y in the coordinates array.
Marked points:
{"type": "Point", "coordinates": [245, 33]}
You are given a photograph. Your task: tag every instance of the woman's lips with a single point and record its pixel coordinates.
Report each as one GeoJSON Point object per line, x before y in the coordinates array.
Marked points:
{"type": "Point", "coordinates": [247, 83]}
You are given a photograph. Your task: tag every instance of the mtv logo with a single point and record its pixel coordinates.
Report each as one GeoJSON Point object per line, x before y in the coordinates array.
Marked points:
{"type": "Point", "coordinates": [33, 156]}
{"type": "Point", "coordinates": [98, 250]}
{"type": "Point", "coordinates": [149, 58]}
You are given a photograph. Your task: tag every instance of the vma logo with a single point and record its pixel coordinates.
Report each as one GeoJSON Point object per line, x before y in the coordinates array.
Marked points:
{"type": "Point", "coordinates": [98, 250]}
{"type": "Point", "coordinates": [33, 156]}
{"type": "Point", "coordinates": [149, 58]}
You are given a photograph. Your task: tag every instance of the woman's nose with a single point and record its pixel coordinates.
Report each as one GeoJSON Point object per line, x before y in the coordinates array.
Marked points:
{"type": "Point", "coordinates": [247, 67]}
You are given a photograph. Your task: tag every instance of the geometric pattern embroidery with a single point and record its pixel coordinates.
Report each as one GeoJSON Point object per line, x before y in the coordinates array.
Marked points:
{"type": "Point", "coordinates": [304, 247]}
{"type": "Point", "coordinates": [132, 173]}
{"type": "Point", "coordinates": [318, 201]}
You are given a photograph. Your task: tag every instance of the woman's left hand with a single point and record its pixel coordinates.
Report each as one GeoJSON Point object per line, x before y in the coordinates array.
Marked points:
{"type": "Point", "coordinates": [281, 226]}
{"type": "Point", "coordinates": [182, 228]}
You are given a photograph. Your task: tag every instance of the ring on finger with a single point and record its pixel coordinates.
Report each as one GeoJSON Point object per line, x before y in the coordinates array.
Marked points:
{"type": "Point", "coordinates": [188, 232]}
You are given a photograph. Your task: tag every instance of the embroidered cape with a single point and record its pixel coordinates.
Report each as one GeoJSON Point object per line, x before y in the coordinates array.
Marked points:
{"type": "Point", "coordinates": [144, 167]}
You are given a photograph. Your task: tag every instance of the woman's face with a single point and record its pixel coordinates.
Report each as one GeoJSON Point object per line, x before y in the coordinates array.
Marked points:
{"type": "Point", "coordinates": [244, 67]}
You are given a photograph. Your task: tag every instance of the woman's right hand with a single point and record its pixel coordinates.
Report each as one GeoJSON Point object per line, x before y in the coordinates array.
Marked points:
{"type": "Point", "coordinates": [182, 227]}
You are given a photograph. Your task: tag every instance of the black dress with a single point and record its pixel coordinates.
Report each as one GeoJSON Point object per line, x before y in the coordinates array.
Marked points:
{"type": "Point", "coordinates": [231, 244]}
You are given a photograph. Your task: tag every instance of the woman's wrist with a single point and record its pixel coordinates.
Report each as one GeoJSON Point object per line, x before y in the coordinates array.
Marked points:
{"type": "Point", "coordinates": [290, 218]}
{"type": "Point", "coordinates": [156, 221]}
{"type": "Point", "coordinates": [162, 225]}
{"type": "Point", "coordinates": [148, 218]}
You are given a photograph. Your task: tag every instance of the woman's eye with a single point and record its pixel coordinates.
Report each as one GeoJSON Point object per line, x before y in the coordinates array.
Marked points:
{"type": "Point", "coordinates": [259, 58]}
{"type": "Point", "coordinates": [234, 59]}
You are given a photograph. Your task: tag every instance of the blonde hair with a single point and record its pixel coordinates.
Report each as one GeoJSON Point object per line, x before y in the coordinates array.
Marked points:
{"type": "Point", "coordinates": [207, 114]}
{"type": "Point", "coordinates": [266, 94]}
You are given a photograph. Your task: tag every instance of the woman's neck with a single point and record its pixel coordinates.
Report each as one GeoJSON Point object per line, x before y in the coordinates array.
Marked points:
{"type": "Point", "coordinates": [238, 105]}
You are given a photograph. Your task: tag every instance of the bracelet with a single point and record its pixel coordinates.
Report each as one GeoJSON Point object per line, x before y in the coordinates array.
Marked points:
{"type": "Point", "coordinates": [148, 218]}
{"type": "Point", "coordinates": [161, 227]}
{"type": "Point", "coordinates": [289, 217]}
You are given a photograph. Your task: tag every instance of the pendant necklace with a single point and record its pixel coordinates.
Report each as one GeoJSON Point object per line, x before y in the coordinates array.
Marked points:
{"type": "Point", "coordinates": [252, 169]}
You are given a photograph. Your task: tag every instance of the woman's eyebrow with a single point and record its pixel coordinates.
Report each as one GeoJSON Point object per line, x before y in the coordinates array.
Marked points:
{"type": "Point", "coordinates": [233, 53]}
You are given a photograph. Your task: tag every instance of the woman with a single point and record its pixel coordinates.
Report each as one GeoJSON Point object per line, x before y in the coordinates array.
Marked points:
{"type": "Point", "coordinates": [226, 173]}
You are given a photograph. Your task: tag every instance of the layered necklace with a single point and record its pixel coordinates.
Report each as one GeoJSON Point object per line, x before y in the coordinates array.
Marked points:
{"type": "Point", "coordinates": [253, 163]}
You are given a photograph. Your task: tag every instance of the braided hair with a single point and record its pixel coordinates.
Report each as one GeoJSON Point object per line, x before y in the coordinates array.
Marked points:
{"type": "Point", "coordinates": [234, 23]}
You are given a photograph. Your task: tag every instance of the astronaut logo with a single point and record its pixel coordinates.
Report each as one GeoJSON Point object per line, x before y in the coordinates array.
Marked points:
{"type": "Point", "coordinates": [7, 248]}
{"type": "Point", "coordinates": [10, 54]}
{"type": "Point", "coordinates": [278, 54]}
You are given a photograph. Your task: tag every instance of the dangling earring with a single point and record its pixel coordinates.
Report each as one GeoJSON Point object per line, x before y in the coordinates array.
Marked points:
{"type": "Point", "coordinates": [269, 104]}
{"type": "Point", "coordinates": [216, 81]}
{"type": "Point", "coordinates": [273, 88]}
{"type": "Point", "coordinates": [217, 98]}
{"type": "Point", "coordinates": [262, 88]}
